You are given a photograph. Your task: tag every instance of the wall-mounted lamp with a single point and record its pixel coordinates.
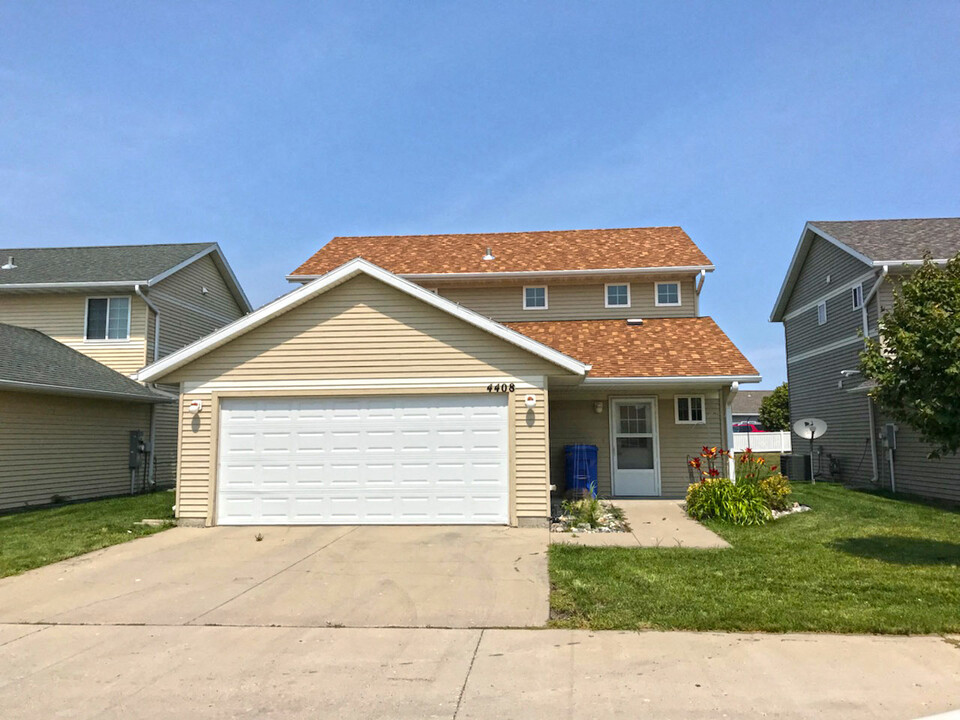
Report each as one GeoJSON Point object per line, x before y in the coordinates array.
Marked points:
{"type": "Point", "coordinates": [195, 406]}
{"type": "Point", "coordinates": [531, 401]}
{"type": "Point", "coordinates": [598, 407]}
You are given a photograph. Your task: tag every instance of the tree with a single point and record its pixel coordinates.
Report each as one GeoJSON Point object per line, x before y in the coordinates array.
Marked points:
{"type": "Point", "coordinates": [775, 409]}
{"type": "Point", "coordinates": [915, 363]}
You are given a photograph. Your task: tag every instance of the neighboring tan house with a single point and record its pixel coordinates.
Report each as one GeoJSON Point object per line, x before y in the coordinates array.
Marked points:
{"type": "Point", "coordinates": [437, 379]}
{"type": "Point", "coordinates": [841, 279]}
{"type": "Point", "coordinates": [746, 406]}
{"type": "Point", "coordinates": [123, 307]}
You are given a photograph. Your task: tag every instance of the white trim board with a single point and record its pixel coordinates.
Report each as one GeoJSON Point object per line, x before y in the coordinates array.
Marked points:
{"type": "Point", "coordinates": [824, 349]}
{"type": "Point", "coordinates": [672, 380]}
{"type": "Point", "coordinates": [295, 386]}
{"type": "Point", "coordinates": [174, 300]}
{"type": "Point", "coordinates": [334, 278]}
{"type": "Point", "coordinates": [535, 273]}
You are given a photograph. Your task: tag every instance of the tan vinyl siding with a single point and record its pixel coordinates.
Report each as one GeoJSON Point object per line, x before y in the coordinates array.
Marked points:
{"type": "Point", "coordinates": [362, 330]}
{"type": "Point", "coordinates": [186, 314]}
{"type": "Point", "coordinates": [573, 419]}
{"type": "Point", "coordinates": [504, 303]}
{"type": "Point", "coordinates": [62, 317]}
{"type": "Point", "coordinates": [76, 448]}
{"type": "Point", "coordinates": [823, 259]}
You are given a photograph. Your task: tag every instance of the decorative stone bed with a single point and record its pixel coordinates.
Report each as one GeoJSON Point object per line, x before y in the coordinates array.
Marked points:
{"type": "Point", "coordinates": [796, 508]}
{"type": "Point", "coordinates": [610, 520]}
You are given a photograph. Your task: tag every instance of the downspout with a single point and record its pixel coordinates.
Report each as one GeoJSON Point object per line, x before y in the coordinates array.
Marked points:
{"type": "Point", "coordinates": [696, 295]}
{"type": "Point", "coordinates": [728, 421]}
{"type": "Point", "coordinates": [151, 463]}
{"type": "Point", "coordinates": [870, 409]}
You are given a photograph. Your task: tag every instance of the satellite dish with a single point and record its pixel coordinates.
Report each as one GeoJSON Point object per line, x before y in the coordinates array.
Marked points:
{"type": "Point", "coordinates": [809, 428]}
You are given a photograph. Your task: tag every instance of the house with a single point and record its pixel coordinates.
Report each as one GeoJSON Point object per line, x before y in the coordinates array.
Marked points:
{"type": "Point", "coordinates": [746, 406]}
{"type": "Point", "coordinates": [437, 379]}
{"type": "Point", "coordinates": [77, 322]}
{"type": "Point", "coordinates": [840, 281]}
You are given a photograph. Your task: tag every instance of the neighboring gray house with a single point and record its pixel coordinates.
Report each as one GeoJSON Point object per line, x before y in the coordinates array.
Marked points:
{"type": "Point", "coordinates": [840, 280]}
{"type": "Point", "coordinates": [746, 406]}
{"type": "Point", "coordinates": [119, 308]}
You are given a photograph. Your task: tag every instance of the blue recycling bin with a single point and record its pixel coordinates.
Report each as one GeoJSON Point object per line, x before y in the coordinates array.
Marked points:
{"type": "Point", "coordinates": [581, 468]}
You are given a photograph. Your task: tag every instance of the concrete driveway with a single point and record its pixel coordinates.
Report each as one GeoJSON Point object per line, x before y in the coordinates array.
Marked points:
{"type": "Point", "coordinates": [297, 576]}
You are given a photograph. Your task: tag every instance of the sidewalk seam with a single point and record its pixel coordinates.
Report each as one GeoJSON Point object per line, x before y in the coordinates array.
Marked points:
{"type": "Point", "coordinates": [463, 688]}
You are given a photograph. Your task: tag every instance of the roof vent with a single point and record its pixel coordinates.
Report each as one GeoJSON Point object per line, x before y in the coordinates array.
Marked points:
{"type": "Point", "coordinates": [489, 255]}
{"type": "Point", "coordinates": [635, 321]}
{"type": "Point", "coordinates": [9, 265]}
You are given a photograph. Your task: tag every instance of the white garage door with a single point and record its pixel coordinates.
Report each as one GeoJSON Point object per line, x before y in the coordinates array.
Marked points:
{"type": "Point", "coordinates": [364, 460]}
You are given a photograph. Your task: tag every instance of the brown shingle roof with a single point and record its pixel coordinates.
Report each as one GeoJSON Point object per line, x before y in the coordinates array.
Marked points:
{"type": "Point", "coordinates": [514, 252]}
{"type": "Point", "coordinates": [660, 347]}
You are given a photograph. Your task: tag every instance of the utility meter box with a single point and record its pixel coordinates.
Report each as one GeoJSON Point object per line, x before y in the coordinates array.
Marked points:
{"type": "Point", "coordinates": [137, 448]}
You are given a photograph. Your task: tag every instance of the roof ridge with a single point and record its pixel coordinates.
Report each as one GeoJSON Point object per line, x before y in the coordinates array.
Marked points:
{"type": "Point", "coordinates": [109, 247]}
{"type": "Point", "coordinates": [866, 220]}
{"type": "Point", "coordinates": [512, 232]}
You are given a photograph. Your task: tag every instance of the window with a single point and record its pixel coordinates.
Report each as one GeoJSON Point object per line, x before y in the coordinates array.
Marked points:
{"type": "Point", "coordinates": [617, 296]}
{"type": "Point", "coordinates": [535, 298]}
{"type": "Point", "coordinates": [690, 410]}
{"type": "Point", "coordinates": [668, 293]}
{"type": "Point", "coordinates": [857, 293]}
{"type": "Point", "coordinates": [822, 314]}
{"type": "Point", "coordinates": [108, 318]}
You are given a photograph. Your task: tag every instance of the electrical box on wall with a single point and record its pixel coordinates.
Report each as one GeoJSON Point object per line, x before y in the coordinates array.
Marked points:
{"type": "Point", "coordinates": [890, 436]}
{"type": "Point", "coordinates": [137, 448]}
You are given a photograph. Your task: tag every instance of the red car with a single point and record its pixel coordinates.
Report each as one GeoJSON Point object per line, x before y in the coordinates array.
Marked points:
{"type": "Point", "coordinates": [745, 427]}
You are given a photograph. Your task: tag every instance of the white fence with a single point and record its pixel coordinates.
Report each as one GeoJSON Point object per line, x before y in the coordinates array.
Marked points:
{"type": "Point", "coordinates": [762, 442]}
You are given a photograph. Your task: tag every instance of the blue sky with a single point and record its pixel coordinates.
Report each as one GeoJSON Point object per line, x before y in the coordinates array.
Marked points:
{"type": "Point", "coordinates": [272, 127]}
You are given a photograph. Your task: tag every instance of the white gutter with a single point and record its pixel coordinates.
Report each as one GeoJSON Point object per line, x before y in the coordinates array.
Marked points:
{"type": "Point", "coordinates": [416, 277]}
{"type": "Point", "coordinates": [901, 263]}
{"type": "Point", "coordinates": [728, 423]}
{"type": "Point", "coordinates": [696, 296]}
{"type": "Point", "coordinates": [672, 380]}
{"type": "Point", "coordinates": [866, 334]}
{"type": "Point", "coordinates": [54, 286]}
{"type": "Point", "coordinates": [70, 390]}
{"type": "Point", "coordinates": [156, 322]}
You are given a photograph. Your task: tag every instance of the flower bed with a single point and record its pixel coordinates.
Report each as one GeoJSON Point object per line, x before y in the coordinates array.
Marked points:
{"type": "Point", "coordinates": [588, 515]}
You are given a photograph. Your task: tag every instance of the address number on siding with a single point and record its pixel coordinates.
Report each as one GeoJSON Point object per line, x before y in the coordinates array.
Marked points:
{"type": "Point", "coordinates": [501, 387]}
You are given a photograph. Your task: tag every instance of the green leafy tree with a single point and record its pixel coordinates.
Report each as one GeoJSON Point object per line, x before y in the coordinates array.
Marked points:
{"type": "Point", "coordinates": [915, 363]}
{"type": "Point", "coordinates": [775, 409]}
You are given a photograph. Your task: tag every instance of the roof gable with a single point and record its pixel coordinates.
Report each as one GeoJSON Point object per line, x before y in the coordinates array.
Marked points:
{"type": "Point", "coordinates": [331, 280]}
{"type": "Point", "coordinates": [518, 252]}
{"type": "Point", "coordinates": [106, 266]}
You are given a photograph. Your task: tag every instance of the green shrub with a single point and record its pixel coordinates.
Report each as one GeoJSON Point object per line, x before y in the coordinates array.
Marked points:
{"type": "Point", "coordinates": [587, 511]}
{"type": "Point", "coordinates": [722, 499]}
{"type": "Point", "coordinates": [775, 490]}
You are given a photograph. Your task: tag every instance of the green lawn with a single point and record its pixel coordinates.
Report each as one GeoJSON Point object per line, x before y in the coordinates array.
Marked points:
{"type": "Point", "coordinates": [858, 562]}
{"type": "Point", "coordinates": [40, 537]}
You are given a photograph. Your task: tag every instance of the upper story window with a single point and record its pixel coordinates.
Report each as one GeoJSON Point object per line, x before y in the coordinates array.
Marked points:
{"type": "Point", "coordinates": [822, 314]}
{"type": "Point", "coordinates": [689, 409]}
{"type": "Point", "coordinates": [668, 293]}
{"type": "Point", "coordinates": [617, 295]}
{"type": "Point", "coordinates": [857, 294]}
{"type": "Point", "coordinates": [108, 318]}
{"type": "Point", "coordinates": [535, 297]}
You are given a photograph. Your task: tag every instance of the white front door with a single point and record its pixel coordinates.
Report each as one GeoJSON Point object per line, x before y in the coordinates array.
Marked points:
{"type": "Point", "coordinates": [634, 447]}
{"type": "Point", "coordinates": [393, 459]}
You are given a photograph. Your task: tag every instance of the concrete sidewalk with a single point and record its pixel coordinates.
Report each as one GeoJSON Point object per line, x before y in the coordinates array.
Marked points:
{"type": "Point", "coordinates": [86, 671]}
{"type": "Point", "coordinates": [654, 523]}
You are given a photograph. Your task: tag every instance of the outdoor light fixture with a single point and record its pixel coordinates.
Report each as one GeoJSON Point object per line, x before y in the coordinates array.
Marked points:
{"type": "Point", "coordinates": [598, 407]}
{"type": "Point", "coordinates": [531, 401]}
{"type": "Point", "coordinates": [195, 406]}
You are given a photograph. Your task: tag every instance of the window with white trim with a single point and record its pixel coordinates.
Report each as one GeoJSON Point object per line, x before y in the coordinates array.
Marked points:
{"type": "Point", "coordinates": [857, 295]}
{"type": "Point", "coordinates": [667, 293]}
{"type": "Point", "coordinates": [535, 297]}
{"type": "Point", "coordinates": [689, 409]}
{"type": "Point", "coordinates": [616, 295]}
{"type": "Point", "coordinates": [108, 319]}
{"type": "Point", "coordinates": [822, 314]}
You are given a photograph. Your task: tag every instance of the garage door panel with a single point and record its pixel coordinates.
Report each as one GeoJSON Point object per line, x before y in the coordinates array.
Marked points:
{"type": "Point", "coordinates": [378, 459]}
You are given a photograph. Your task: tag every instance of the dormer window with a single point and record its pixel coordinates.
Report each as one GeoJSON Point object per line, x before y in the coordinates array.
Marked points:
{"type": "Point", "coordinates": [535, 297]}
{"type": "Point", "coordinates": [668, 293]}
{"type": "Point", "coordinates": [108, 318]}
{"type": "Point", "coordinates": [617, 295]}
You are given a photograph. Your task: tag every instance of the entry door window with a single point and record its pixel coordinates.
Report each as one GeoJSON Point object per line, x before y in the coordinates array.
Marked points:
{"type": "Point", "coordinates": [635, 439]}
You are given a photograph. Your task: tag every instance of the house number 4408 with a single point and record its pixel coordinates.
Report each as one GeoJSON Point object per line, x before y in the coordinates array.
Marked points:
{"type": "Point", "coordinates": [501, 387]}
